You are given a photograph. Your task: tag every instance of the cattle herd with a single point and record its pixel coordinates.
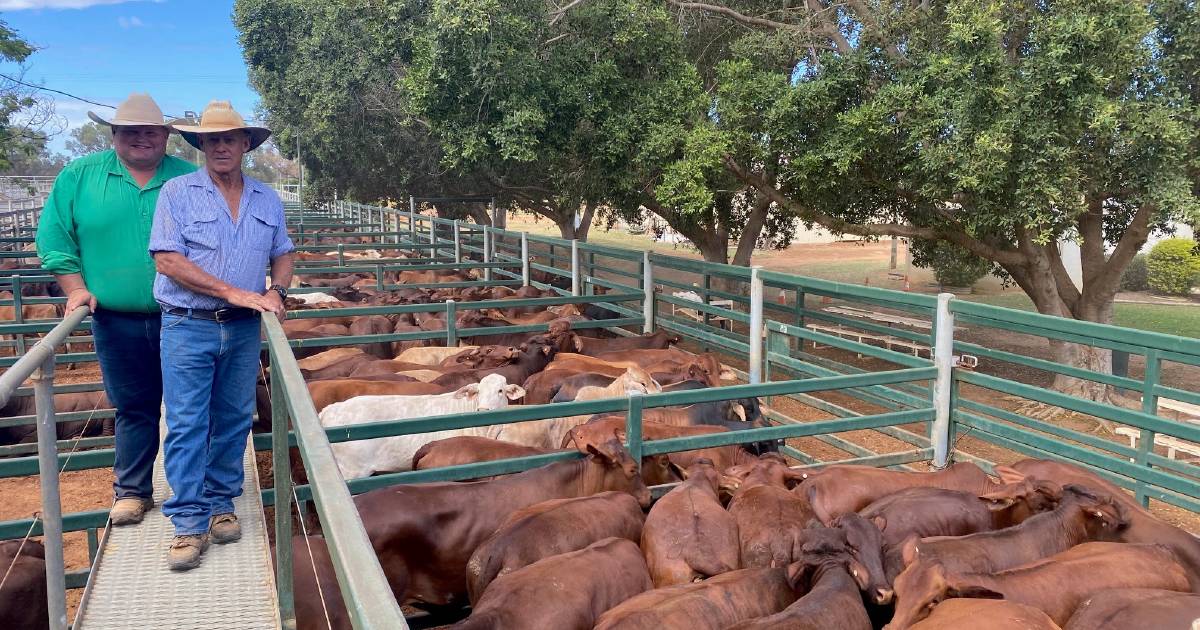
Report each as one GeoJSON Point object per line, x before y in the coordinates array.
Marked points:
{"type": "Point", "coordinates": [741, 540]}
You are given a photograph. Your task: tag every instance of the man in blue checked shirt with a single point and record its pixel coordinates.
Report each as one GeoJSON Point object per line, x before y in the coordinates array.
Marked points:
{"type": "Point", "coordinates": [215, 232]}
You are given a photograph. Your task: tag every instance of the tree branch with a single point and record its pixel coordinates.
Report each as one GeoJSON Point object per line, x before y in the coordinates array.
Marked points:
{"type": "Point", "coordinates": [733, 15]}
{"type": "Point", "coordinates": [958, 237]}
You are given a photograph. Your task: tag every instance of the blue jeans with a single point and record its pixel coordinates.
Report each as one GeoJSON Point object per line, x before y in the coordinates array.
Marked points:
{"type": "Point", "coordinates": [127, 346]}
{"type": "Point", "coordinates": [209, 371]}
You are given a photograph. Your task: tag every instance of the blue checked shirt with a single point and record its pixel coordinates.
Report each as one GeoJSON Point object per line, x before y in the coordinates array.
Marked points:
{"type": "Point", "coordinates": [193, 219]}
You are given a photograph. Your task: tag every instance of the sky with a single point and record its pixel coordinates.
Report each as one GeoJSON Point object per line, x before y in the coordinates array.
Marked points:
{"type": "Point", "coordinates": [183, 52]}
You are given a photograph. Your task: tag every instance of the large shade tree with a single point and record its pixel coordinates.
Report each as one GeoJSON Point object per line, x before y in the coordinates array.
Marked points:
{"type": "Point", "coordinates": [1004, 127]}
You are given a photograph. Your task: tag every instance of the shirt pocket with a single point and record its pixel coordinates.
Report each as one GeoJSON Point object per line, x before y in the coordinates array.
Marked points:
{"type": "Point", "coordinates": [201, 233]}
{"type": "Point", "coordinates": [261, 233]}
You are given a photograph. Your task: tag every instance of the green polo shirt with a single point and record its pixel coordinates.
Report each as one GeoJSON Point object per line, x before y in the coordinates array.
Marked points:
{"type": "Point", "coordinates": [97, 222]}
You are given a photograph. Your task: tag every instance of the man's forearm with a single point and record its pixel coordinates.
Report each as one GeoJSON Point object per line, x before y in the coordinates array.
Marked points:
{"type": "Point", "coordinates": [178, 268]}
{"type": "Point", "coordinates": [70, 282]}
{"type": "Point", "coordinates": [282, 269]}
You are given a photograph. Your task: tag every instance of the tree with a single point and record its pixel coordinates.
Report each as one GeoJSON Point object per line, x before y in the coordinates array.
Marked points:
{"type": "Point", "coordinates": [1002, 127]}
{"type": "Point", "coordinates": [25, 119]}
{"type": "Point", "coordinates": [30, 156]}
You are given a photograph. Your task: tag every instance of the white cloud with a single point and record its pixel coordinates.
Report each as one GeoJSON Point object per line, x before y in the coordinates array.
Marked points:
{"type": "Point", "coordinates": [21, 5]}
{"type": "Point", "coordinates": [130, 22]}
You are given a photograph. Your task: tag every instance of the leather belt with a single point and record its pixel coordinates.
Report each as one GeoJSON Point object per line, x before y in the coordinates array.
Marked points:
{"type": "Point", "coordinates": [219, 315]}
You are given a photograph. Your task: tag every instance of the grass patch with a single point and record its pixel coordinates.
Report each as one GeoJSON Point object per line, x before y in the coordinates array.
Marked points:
{"type": "Point", "coordinates": [1181, 320]}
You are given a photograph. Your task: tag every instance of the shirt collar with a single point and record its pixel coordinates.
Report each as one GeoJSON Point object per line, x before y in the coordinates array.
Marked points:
{"type": "Point", "coordinates": [204, 180]}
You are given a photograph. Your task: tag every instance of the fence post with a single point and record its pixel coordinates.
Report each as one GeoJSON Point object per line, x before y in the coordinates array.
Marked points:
{"type": "Point", "coordinates": [647, 294]}
{"type": "Point", "coordinates": [457, 244]}
{"type": "Point", "coordinates": [281, 465]}
{"type": "Point", "coordinates": [341, 251]}
{"type": "Point", "coordinates": [412, 231]}
{"type": "Point", "coordinates": [487, 258]}
{"type": "Point", "coordinates": [633, 428]}
{"type": "Point", "coordinates": [943, 360]}
{"type": "Point", "coordinates": [524, 259]}
{"type": "Point", "coordinates": [1150, 378]}
{"type": "Point", "coordinates": [52, 533]}
{"type": "Point", "coordinates": [451, 324]}
{"type": "Point", "coordinates": [433, 239]}
{"type": "Point", "coordinates": [574, 267]}
{"type": "Point", "coordinates": [756, 325]}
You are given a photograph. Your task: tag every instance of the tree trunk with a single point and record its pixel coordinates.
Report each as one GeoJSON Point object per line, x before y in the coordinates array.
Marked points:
{"type": "Point", "coordinates": [754, 225]}
{"type": "Point", "coordinates": [565, 220]}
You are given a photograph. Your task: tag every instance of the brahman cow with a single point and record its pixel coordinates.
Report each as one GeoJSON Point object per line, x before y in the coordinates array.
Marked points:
{"type": "Point", "coordinates": [550, 528]}
{"type": "Point", "coordinates": [585, 583]}
{"type": "Point", "coordinates": [688, 535]}
{"type": "Point", "coordinates": [362, 458]}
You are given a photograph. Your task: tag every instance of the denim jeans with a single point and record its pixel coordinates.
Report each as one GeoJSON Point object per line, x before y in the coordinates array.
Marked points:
{"type": "Point", "coordinates": [209, 373]}
{"type": "Point", "coordinates": [127, 346]}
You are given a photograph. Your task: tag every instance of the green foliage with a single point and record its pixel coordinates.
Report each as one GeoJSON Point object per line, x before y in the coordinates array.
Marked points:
{"type": "Point", "coordinates": [952, 265]}
{"type": "Point", "coordinates": [1136, 276]}
{"type": "Point", "coordinates": [1173, 266]}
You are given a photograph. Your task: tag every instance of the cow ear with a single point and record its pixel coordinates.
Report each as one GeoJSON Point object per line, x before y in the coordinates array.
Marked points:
{"type": "Point", "coordinates": [798, 574]}
{"type": "Point", "coordinates": [727, 374]}
{"type": "Point", "coordinates": [879, 521]}
{"type": "Point", "coordinates": [997, 501]}
{"type": "Point", "coordinates": [545, 349]}
{"type": "Point", "coordinates": [467, 391]}
{"type": "Point", "coordinates": [739, 411]}
{"type": "Point", "coordinates": [578, 344]}
{"type": "Point", "coordinates": [909, 550]}
{"type": "Point", "coordinates": [1008, 474]}
{"type": "Point", "coordinates": [682, 473]}
{"type": "Point", "coordinates": [514, 392]}
{"type": "Point", "coordinates": [793, 478]}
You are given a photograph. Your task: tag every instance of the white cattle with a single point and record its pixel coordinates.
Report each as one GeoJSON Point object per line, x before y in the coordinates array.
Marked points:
{"type": "Point", "coordinates": [433, 355]}
{"type": "Point", "coordinates": [365, 457]}
{"type": "Point", "coordinates": [315, 298]}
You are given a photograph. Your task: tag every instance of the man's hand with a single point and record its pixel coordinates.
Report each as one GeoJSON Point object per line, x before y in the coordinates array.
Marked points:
{"type": "Point", "coordinates": [248, 299]}
{"type": "Point", "coordinates": [276, 302]}
{"type": "Point", "coordinates": [80, 296]}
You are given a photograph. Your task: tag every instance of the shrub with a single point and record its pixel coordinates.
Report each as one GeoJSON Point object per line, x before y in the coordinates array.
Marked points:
{"type": "Point", "coordinates": [1135, 277]}
{"type": "Point", "coordinates": [952, 265]}
{"type": "Point", "coordinates": [1173, 267]}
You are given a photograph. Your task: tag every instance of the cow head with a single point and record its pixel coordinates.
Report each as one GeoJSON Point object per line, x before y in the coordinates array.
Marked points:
{"type": "Point", "coordinates": [864, 542]}
{"type": "Point", "coordinates": [493, 392]}
{"type": "Point", "coordinates": [1103, 517]}
{"type": "Point", "coordinates": [924, 585]}
{"type": "Point", "coordinates": [820, 547]}
{"type": "Point", "coordinates": [635, 379]}
{"type": "Point", "coordinates": [617, 471]}
{"type": "Point", "coordinates": [770, 469]}
{"type": "Point", "coordinates": [1023, 498]}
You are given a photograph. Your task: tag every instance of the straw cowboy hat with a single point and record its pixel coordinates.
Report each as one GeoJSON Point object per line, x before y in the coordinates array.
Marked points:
{"type": "Point", "coordinates": [137, 110]}
{"type": "Point", "coordinates": [217, 117]}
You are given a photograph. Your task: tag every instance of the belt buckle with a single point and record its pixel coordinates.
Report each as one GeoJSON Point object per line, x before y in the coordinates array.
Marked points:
{"type": "Point", "coordinates": [223, 314]}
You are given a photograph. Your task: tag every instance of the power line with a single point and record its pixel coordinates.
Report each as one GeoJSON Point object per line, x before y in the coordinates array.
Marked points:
{"type": "Point", "coordinates": [46, 89]}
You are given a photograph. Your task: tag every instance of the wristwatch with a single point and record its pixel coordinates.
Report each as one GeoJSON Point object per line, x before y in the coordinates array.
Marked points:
{"type": "Point", "coordinates": [280, 289]}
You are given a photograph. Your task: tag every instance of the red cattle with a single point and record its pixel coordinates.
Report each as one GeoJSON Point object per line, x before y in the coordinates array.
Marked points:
{"type": "Point", "coordinates": [839, 489]}
{"type": "Point", "coordinates": [688, 535]}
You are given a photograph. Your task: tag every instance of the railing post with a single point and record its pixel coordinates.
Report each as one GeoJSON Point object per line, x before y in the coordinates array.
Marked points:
{"type": "Point", "coordinates": [451, 324]}
{"type": "Point", "coordinates": [1150, 378]}
{"type": "Point", "coordinates": [524, 259]}
{"type": "Point", "coordinates": [281, 467]}
{"type": "Point", "coordinates": [52, 532]}
{"type": "Point", "coordinates": [433, 239]}
{"type": "Point", "coordinates": [574, 267]}
{"type": "Point", "coordinates": [379, 277]}
{"type": "Point", "coordinates": [457, 244]}
{"type": "Point", "coordinates": [943, 360]}
{"type": "Point", "coordinates": [412, 223]}
{"type": "Point", "coordinates": [341, 254]}
{"type": "Point", "coordinates": [756, 325]}
{"type": "Point", "coordinates": [487, 258]}
{"type": "Point", "coordinates": [633, 428]}
{"type": "Point", "coordinates": [647, 294]}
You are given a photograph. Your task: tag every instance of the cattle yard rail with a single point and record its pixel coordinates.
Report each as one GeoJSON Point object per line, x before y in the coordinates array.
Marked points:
{"type": "Point", "coordinates": [919, 409]}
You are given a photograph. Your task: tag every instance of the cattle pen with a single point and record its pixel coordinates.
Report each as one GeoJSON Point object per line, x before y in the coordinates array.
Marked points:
{"type": "Point", "coordinates": [924, 402]}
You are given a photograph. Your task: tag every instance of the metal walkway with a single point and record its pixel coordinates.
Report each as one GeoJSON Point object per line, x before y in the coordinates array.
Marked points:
{"type": "Point", "coordinates": [131, 587]}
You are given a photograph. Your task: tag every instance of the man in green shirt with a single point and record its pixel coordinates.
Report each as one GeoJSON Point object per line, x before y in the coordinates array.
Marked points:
{"type": "Point", "coordinates": [93, 236]}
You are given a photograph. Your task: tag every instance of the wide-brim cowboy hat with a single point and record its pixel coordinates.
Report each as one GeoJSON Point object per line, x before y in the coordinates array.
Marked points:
{"type": "Point", "coordinates": [139, 110]}
{"type": "Point", "coordinates": [220, 116]}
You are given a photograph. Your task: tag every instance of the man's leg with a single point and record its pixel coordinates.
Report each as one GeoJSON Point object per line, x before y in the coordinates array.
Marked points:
{"type": "Point", "coordinates": [189, 357]}
{"type": "Point", "coordinates": [232, 409]}
{"type": "Point", "coordinates": [127, 347]}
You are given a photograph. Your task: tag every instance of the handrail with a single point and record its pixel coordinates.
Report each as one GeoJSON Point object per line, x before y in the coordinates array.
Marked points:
{"type": "Point", "coordinates": [364, 586]}
{"type": "Point", "coordinates": [38, 362]}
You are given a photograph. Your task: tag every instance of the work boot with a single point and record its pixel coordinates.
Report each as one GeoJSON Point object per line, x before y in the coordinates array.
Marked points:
{"type": "Point", "coordinates": [185, 551]}
{"type": "Point", "coordinates": [129, 510]}
{"type": "Point", "coordinates": [224, 528]}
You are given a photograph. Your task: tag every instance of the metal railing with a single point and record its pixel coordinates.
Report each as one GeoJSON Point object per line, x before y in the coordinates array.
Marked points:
{"type": "Point", "coordinates": [38, 362]}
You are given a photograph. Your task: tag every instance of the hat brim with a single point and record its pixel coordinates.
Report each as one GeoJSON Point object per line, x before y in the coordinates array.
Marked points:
{"type": "Point", "coordinates": [122, 122]}
{"type": "Point", "coordinates": [191, 134]}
